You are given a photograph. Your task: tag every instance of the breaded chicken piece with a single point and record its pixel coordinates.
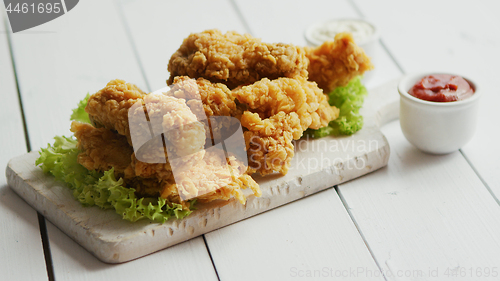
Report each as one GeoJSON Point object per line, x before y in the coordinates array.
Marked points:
{"type": "Point", "coordinates": [120, 103]}
{"type": "Point", "coordinates": [171, 151]}
{"type": "Point", "coordinates": [210, 179]}
{"type": "Point", "coordinates": [216, 100]}
{"type": "Point", "coordinates": [265, 109]}
{"type": "Point", "coordinates": [109, 107]}
{"type": "Point", "coordinates": [153, 162]}
{"type": "Point", "coordinates": [335, 63]}
{"type": "Point", "coordinates": [268, 97]}
{"type": "Point", "coordinates": [213, 178]}
{"type": "Point", "coordinates": [279, 111]}
{"type": "Point", "coordinates": [269, 141]}
{"type": "Point", "coordinates": [184, 136]}
{"type": "Point", "coordinates": [235, 59]}
{"type": "Point", "coordinates": [101, 149]}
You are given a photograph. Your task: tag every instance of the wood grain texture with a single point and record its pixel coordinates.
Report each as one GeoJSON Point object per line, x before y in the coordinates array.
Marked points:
{"type": "Point", "coordinates": [290, 243]}
{"type": "Point", "coordinates": [287, 21]}
{"type": "Point", "coordinates": [424, 213]}
{"type": "Point", "coordinates": [317, 165]}
{"type": "Point", "coordinates": [430, 217]}
{"type": "Point", "coordinates": [21, 251]}
{"type": "Point", "coordinates": [181, 262]}
{"type": "Point", "coordinates": [465, 40]}
{"type": "Point", "coordinates": [312, 238]}
{"type": "Point", "coordinates": [58, 63]}
{"type": "Point", "coordinates": [159, 34]}
{"type": "Point", "coordinates": [234, 258]}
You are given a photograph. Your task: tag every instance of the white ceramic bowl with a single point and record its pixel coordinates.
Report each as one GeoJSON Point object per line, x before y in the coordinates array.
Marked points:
{"type": "Point", "coordinates": [369, 44]}
{"type": "Point", "coordinates": [437, 127]}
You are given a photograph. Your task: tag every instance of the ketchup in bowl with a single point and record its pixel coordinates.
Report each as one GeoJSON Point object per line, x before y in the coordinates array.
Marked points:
{"type": "Point", "coordinates": [442, 88]}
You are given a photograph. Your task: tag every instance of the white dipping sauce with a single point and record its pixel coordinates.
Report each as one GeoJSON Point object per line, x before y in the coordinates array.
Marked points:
{"type": "Point", "coordinates": [360, 30]}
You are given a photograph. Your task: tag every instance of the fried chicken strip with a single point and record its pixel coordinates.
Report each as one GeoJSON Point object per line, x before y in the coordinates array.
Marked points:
{"type": "Point", "coordinates": [269, 97]}
{"type": "Point", "coordinates": [121, 106]}
{"type": "Point", "coordinates": [109, 107]}
{"type": "Point", "coordinates": [273, 112]}
{"type": "Point", "coordinates": [235, 59]}
{"type": "Point", "coordinates": [279, 111]}
{"type": "Point", "coordinates": [189, 172]}
{"type": "Point", "coordinates": [101, 149]}
{"type": "Point", "coordinates": [210, 179]}
{"type": "Point", "coordinates": [335, 63]}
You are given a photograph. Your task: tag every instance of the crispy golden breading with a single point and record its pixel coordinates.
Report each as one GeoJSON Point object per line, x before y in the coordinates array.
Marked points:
{"type": "Point", "coordinates": [335, 63]}
{"type": "Point", "coordinates": [154, 164]}
{"type": "Point", "coordinates": [184, 136]}
{"type": "Point", "coordinates": [101, 149]}
{"type": "Point", "coordinates": [238, 60]}
{"type": "Point", "coordinates": [112, 106]}
{"type": "Point", "coordinates": [269, 141]}
{"type": "Point", "coordinates": [213, 178]}
{"type": "Point", "coordinates": [270, 134]}
{"type": "Point", "coordinates": [268, 97]}
{"type": "Point", "coordinates": [216, 98]}
{"type": "Point", "coordinates": [172, 129]}
{"type": "Point", "coordinates": [279, 111]}
{"type": "Point", "coordinates": [235, 59]}
{"type": "Point", "coordinates": [277, 93]}
{"type": "Point", "coordinates": [265, 110]}
{"type": "Point", "coordinates": [109, 107]}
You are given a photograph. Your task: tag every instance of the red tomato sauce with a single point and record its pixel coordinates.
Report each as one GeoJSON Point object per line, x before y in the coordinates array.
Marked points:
{"type": "Point", "coordinates": [442, 88]}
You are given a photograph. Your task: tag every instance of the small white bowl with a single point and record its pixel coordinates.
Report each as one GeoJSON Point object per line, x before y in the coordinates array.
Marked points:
{"type": "Point", "coordinates": [369, 43]}
{"type": "Point", "coordinates": [437, 127]}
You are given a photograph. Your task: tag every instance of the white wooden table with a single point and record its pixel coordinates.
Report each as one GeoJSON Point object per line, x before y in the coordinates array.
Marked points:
{"type": "Point", "coordinates": [422, 217]}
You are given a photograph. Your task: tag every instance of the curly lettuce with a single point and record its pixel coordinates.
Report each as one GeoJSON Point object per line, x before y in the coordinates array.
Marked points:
{"type": "Point", "coordinates": [348, 99]}
{"type": "Point", "coordinates": [79, 113]}
{"type": "Point", "coordinates": [94, 188]}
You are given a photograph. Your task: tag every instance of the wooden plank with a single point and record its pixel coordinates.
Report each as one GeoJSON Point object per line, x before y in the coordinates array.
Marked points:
{"type": "Point", "coordinates": [326, 242]}
{"type": "Point", "coordinates": [430, 217]}
{"type": "Point", "coordinates": [426, 217]}
{"type": "Point", "coordinates": [313, 237]}
{"type": "Point", "coordinates": [150, 39]}
{"type": "Point", "coordinates": [465, 40]}
{"type": "Point", "coordinates": [21, 250]}
{"type": "Point", "coordinates": [58, 63]}
{"type": "Point", "coordinates": [158, 28]}
{"type": "Point", "coordinates": [182, 262]}
{"type": "Point", "coordinates": [317, 164]}
{"type": "Point", "coordinates": [291, 242]}
{"type": "Point", "coordinates": [287, 21]}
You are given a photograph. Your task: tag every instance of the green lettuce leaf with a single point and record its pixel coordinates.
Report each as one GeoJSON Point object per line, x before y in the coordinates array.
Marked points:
{"type": "Point", "coordinates": [79, 113]}
{"type": "Point", "coordinates": [348, 100]}
{"type": "Point", "coordinates": [101, 189]}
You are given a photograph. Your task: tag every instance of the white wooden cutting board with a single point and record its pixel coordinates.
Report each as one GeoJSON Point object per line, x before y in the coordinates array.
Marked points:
{"type": "Point", "coordinates": [317, 165]}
